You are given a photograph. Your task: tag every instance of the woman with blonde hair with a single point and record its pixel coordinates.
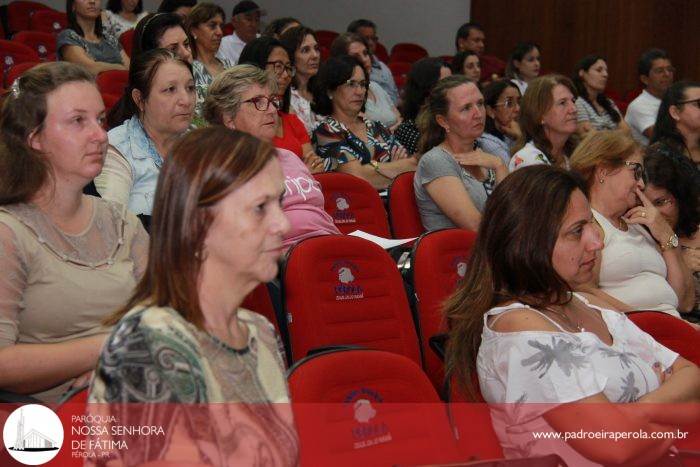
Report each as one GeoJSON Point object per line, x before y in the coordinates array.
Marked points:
{"type": "Point", "coordinates": [548, 122]}
{"type": "Point", "coordinates": [641, 264]}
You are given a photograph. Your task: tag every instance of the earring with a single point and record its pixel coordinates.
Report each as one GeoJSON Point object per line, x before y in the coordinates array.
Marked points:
{"type": "Point", "coordinates": [602, 180]}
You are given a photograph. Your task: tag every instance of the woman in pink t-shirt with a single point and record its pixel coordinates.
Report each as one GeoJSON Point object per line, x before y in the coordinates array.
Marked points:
{"type": "Point", "coordinates": [244, 97]}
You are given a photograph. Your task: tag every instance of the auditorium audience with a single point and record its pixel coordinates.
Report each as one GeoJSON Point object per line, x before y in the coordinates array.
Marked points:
{"type": "Point", "coordinates": [595, 110]}
{"type": "Point", "coordinates": [380, 72]}
{"type": "Point", "coordinates": [471, 36]}
{"type": "Point", "coordinates": [678, 121]}
{"type": "Point", "coordinates": [84, 42]}
{"type": "Point", "coordinates": [502, 102]}
{"type": "Point", "coordinates": [182, 337]}
{"type": "Point", "coordinates": [162, 31]}
{"type": "Point", "coordinates": [67, 260]}
{"type": "Point", "coordinates": [204, 25]}
{"type": "Point", "coordinates": [303, 49]}
{"type": "Point", "coordinates": [641, 264]}
{"type": "Point", "coordinates": [348, 141]}
{"type": "Point", "coordinates": [246, 23]}
{"type": "Point", "coordinates": [656, 74]}
{"type": "Point", "coordinates": [378, 105]}
{"type": "Point", "coordinates": [421, 78]}
{"type": "Point", "coordinates": [181, 8]}
{"type": "Point", "coordinates": [673, 188]}
{"type": "Point", "coordinates": [467, 63]}
{"type": "Point", "coordinates": [246, 98]}
{"type": "Point", "coordinates": [454, 177]}
{"type": "Point", "coordinates": [523, 65]}
{"type": "Point", "coordinates": [121, 15]}
{"type": "Point", "coordinates": [268, 54]}
{"type": "Point", "coordinates": [154, 112]}
{"type": "Point", "coordinates": [279, 26]}
{"type": "Point", "coordinates": [548, 123]}
{"type": "Point", "coordinates": [538, 349]}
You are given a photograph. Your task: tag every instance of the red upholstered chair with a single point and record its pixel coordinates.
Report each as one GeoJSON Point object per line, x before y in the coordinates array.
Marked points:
{"type": "Point", "coordinates": [49, 21]}
{"type": "Point", "coordinates": [227, 29]}
{"type": "Point", "coordinates": [353, 204]}
{"type": "Point", "coordinates": [399, 70]}
{"type": "Point", "coordinates": [491, 65]}
{"type": "Point", "coordinates": [12, 53]}
{"type": "Point", "coordinates": [325, 37]}
{"type": "Point", "coordinates": [43, 43]}
{"type": "Point", "coordinates": [438, 261]}
{"type": "Point", "coordinates": [403, 210]}
{"type": "Point", "coordinates": [381, 53]}
{"type": "Point", "coordinates": [367, 407]}
{"type": "Point", "coordinates": [127, 41]}
{"type": "Point", "coordinates": [113, 82]}
{"type": "Point", "coordinates": [109, 100]}
{"type": "Point", "coordinates": [259, 301]}
{"type": "Point", "coordinates": [344, 290]}
{"type": "Point", "coordinates": [325, 52]}
{"type": "Point", "coordinates": [20, 12]}
{"type": "Point", "coordinates": [16, 71]}
{"type": "Point", "coordinates": [670, 331]}
{"type": "Point", "coordinates": [407, 52]}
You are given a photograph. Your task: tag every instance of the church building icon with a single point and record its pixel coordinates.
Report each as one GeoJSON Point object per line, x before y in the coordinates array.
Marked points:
{"type": "Point", "coordinates": [33, 440]}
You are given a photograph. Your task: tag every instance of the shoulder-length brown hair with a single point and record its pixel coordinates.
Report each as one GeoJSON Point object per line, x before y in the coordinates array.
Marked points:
{"type": "Point", "coordinates": [205, 166]}
{"type": "Point", "coordinates": [511, 260]}
{"type": "Point", "coordinates": [536, 101]}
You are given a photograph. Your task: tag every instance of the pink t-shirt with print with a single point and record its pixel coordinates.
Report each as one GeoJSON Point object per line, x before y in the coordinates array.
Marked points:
{"type": "Point", "coordinates": [303, 201]}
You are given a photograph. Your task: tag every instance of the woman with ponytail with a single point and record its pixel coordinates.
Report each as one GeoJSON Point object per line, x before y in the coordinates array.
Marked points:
{"type": "Point", "coordinates": [155, 111]}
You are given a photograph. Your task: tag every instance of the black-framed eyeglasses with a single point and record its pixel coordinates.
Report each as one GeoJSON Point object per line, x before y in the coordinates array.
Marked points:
{"type": "Point", "coordinates": [356, 84]}
{"type": "Point", "coordinates": [280, 67]}
{"type": "Point", "coordinates": [508, 103]}
{"type": "Point", "coordinates": [639, 173]}
{"type": "Point", "coordinates": [695, 102]}
{"type": "Point", "coordinates": [262, 103]}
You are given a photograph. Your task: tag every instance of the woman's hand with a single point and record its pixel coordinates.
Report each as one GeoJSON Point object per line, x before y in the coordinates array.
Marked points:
{"type": "Point", "coordinates": [647, 214]}
{"type": "Point", "coordinates": [691, 258]}
{"type": "Point", "coordinates": [512, 130]}
{"type": "Point", "coordinates": [313, 162]}
{"type": "Point", "coordinates": [479, 158]}
{"type": "Point", "coordinates": [82, 380]}
{"type": "Point", "coordinates": [397, 152]}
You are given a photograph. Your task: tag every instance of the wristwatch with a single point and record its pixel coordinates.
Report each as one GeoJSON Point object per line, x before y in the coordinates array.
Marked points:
{"type": "Point", "coordinates": [671, 243]}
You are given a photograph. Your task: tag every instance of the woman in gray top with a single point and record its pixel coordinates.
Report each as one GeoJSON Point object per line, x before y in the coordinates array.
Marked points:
{"type": "Point", "coordinates": [454, 177]}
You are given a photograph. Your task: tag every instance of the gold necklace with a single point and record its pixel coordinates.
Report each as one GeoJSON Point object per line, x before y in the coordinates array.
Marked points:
{"type": "Point", "coordinates": [565, 317]}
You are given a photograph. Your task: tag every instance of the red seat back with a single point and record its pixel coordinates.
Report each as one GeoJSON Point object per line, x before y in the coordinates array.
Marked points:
{"type": "Point", "coordinates": [366, 407]}
{"type": "Point", "coordinates": [407, 52]}
{"type": "Point", "coordinates": [16, 71]}
{"type": "Point", "coordinates": [381, 53]}
{"type": "Point", "coordinates": [404, 216]}
{"type": "Point", "coordinates": [324, 37]}
{"type": "Point", "coordinates": [353, 204]}
{"type": "Point", "coordinates": [12, 53]}
{"type": "Point", "coordinates": [127, 41]}
{"type": "Point", "coordinates": [43, 43]}
{"type": "Point", "coordinates": [49, 21]}
{"type": "Point", "coordinates": [399, 70]}
{"type": "Point", "coordinates": [113, 82]}
{"type": "Point", "coordinates": [439, 261]}
{"type": "Point", "coordinates": [20, 12]}
{"type": "Point", "coordinates": [344, 290]}
{"type": "Point", "coordinates": [110, 101]}
{"type": "Point", "coordinates": [669, 331]}
{"type": "Point", "coordinates": [259, 301]}
{"type": "Point", "coordinates": [227, 29]}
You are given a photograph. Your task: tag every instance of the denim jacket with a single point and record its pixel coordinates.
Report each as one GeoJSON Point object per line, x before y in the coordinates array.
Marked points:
{"type": "Point", "coordinates": [131, 140]}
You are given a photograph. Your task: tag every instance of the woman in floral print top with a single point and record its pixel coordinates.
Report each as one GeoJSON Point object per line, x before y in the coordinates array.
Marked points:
{"type": "Point", "coordinates": [346, 140]}
{"type": "Point", "coordinates": [537, 347]}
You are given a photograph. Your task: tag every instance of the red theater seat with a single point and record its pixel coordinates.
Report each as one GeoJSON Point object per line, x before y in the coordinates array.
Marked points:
{"type": "Point", "coordinates": [16, 71]}
{"type": "Point", "coordinates": [227, 29]}
{"type": "Point", "coordinates": [670, 331]}
{"type": "Point", "coordinates": [366, 407]}
{"type": "Point", "coordinates": [49, 21]}
{"type": "Point", "coordinates": [43, 43]}
{"type": "Point", "coordinates": [403, 210]}
{"type": "Point", "coordinates": [12, 53]}
{"type": "Point", "coordinates": [259, 301]}
{"type": "Point", "coordinates": [353, 204]}
{"type": "Point", "coordinates": [113, 82]}
{"type": "Point", "coordinates": [381, 53]}
{"type": "Point", "coordinates": [399, 70]}
{"type": "Point", "coordinates": [438, 261]}
{"type": "Point", "coordinates": [20, 12]}
{"type": "Point", "coordinates": [407, 52]}
{"type": "Point", "coordinates": [325, 37]}
{"type": "Point", "coordinates": [127, 41]}
{"type": "Point", "coordinates": [343, 290]}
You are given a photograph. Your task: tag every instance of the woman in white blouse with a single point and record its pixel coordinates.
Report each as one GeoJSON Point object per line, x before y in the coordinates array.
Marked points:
{"type": "Point", "coordinates": [122, 15]}
{"type": "Point", "coordinates": [641, 264]}
{"type": "Point", "coordinates": [537, 347]}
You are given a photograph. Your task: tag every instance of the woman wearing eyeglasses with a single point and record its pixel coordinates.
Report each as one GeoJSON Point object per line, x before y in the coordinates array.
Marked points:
{"type": "Point", "coordinates": [246, 98]}
{"type": "Point", "coordinates": [678, 121]}
{"type": "Point", "coordinates": [268, 53]}
{"type": "Point", "coordinates": [347, 141]}
{"type": "Point", "coordinates": [641, 264]}
{"type": "Point", "coordinates": [502, 102]}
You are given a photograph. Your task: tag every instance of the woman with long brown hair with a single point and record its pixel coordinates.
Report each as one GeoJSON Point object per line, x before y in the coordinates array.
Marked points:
{"type": "Point", "coordinates": [536, 347]}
